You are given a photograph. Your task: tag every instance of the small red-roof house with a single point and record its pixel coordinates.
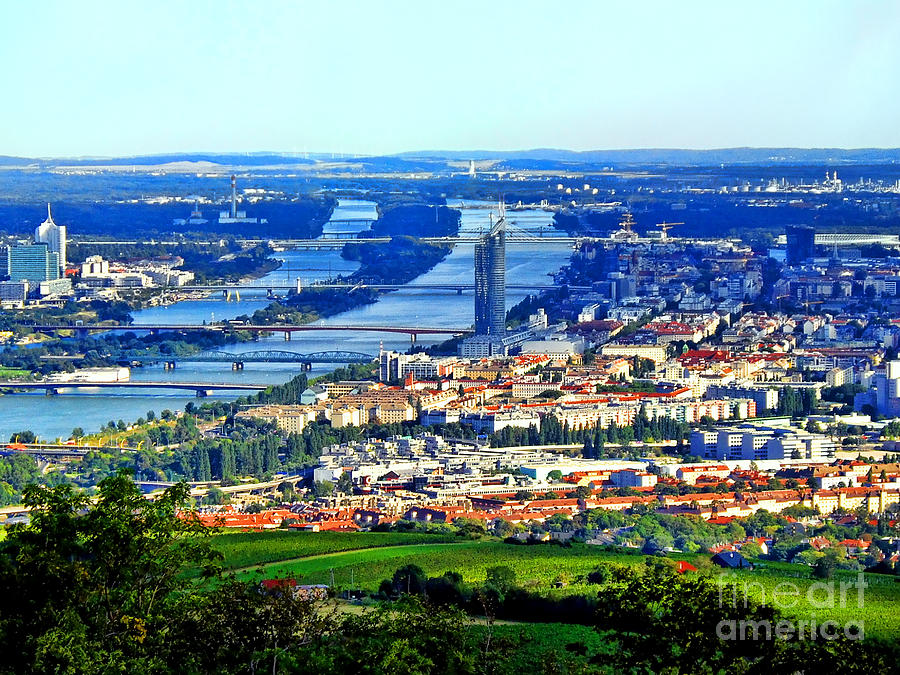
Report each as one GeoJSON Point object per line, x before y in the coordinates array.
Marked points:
{"type": "Point", "coordinates": [855, 546]}
{"type": "Point", "coordinates": [278, 584]}
{"type": "Point", "coordinates": [684, 566]}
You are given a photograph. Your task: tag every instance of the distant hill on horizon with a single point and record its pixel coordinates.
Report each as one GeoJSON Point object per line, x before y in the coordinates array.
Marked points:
{"type": "Point", "coordinates": [518, 159]}
{"type": "Point", "coordinates": [221, 159]}
{"type": "Point", "coordinates": [676, 156]}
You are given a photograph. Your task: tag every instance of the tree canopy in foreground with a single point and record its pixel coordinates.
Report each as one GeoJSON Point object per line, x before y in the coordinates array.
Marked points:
{"type": "Point", "coordinates": [111, 585]}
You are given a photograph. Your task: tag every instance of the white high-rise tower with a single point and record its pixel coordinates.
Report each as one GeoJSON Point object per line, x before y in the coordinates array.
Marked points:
{"type": "Point", "coordinates": [54, 236]}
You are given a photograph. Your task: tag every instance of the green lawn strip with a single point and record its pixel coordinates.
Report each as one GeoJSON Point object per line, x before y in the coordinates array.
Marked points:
{"type": "Point", "coordinates": [379, 552]}
{"type": "Point", "coordinates": [317, 569]}
{"type": "Point", "coordinates": [796, 594]}
{"type": "Point", "coordinates": [534, 565]}
{"type": "Point", "coordinates": [248, 549]}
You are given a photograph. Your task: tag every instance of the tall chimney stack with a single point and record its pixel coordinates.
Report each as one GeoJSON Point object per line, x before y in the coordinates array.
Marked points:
{"type": "Point", "coordinates": [233, 196]}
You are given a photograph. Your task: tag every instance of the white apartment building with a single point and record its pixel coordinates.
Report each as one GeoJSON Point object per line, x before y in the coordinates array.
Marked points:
{"type": "Point", "coordinates": [760, 443]}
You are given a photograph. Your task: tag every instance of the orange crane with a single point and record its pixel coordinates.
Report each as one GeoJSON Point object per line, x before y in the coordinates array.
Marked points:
{"type": "Point", "coordinates": [665, 227]}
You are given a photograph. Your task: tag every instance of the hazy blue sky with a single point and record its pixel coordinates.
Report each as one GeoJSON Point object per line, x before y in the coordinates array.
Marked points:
{"type": "Point", "coordinates": [113, 78]}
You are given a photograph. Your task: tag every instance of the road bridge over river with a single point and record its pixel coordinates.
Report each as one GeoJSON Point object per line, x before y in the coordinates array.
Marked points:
{"type": "Point", "coordinates": [278, 356]}
{"type": "Point", "coordinates": [337, 242]}
{"type": "Point", "coordinates": [287, 329]}
{"type": "Point", "coordinates": [202, 389]}
{"type": "Point", "coordinates": [236, 289]}
{"type": "Point", "coordinates": [238, 359]}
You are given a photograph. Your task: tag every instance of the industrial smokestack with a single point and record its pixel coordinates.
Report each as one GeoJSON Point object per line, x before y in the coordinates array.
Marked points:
{"type": "Point", "coordinates": [233, 196]}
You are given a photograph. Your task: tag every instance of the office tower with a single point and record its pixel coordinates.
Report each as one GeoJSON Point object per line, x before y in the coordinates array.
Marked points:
{"type": "Point", "coordinates": [35, 263]}
{"type": "Point", "coordinates": [801, 243]}
{"type": "Point", "coordinates": [4, 262]}
{"type": "Point", "coordinates": [54, 236]}
{"type": "Point", "coordinates": [490, 280]}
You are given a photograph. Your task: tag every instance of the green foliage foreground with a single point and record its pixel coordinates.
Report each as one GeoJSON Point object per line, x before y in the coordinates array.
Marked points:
{"type": "Point", "coordinates": [110, 586]}
{"type": "Point", "coordinates": [106, 587]}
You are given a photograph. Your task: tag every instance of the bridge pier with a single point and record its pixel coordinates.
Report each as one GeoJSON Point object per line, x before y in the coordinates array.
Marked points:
{"type": "Point", "coordinates": [306, 366]}
{"type": "Point", "coordinates": [237, 365]}
{"type": "Point", "coordinates": [459, 291]}
{"type": "Point", "coordinates": [203, 393]}
{"type": "Point", "coordinates": [51, 391]}
{"type": "Point", "coordinates": [169, 365]}
{"type": "Point", "coordinates": [287, 336]}
{"type": "Point", "coordinates": [412, 338]}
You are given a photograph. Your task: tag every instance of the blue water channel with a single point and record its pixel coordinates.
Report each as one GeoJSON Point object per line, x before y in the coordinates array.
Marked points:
{"type": "Point", "coordinates": [52, 416]}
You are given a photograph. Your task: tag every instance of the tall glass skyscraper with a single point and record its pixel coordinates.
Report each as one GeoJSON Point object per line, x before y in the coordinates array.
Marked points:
{"type": "Point", "coordinates": [54, 236]}
{"type": "Point", "coordinates": [490, 280]}
{"type": "Point", "coordinates": [34, 263]}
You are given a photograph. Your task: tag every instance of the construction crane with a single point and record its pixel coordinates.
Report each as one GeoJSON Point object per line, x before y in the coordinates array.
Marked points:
{"type": "Point", "coordinates": [627, 221]}
{"type": "Point", "coordinates": [780, 298]}
{"type": "Point", "coordinates": [626, 229]}
{"type": "Point", "coordinates": [665, 227]}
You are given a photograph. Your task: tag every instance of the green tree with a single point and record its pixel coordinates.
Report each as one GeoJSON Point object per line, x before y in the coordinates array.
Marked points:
{"type": "Point", "coordinates": [751, 549]}
{"type": "Point", "coordinates": [22, 437]}
{"type": "Point", "coordinates": [824, 568]}
{"type": "Point", "coordinates": [588, 449]}
{"type": "Point", "coordinates": [582, 492]}
{"type": "Point", "coordinates": [501, 577]}
{"type": "Point", "coordinates": [97, 592]}
{"type": "Point", "coordinates": [601, 574]}
{"type": "Point", "coordinates": [215, 497]}
{"type": "Point", "coordinates": [324, 488]}
{"type": "Point", "coordinates": [345, 483]}
{"type": "Point", "coordinates": [409, 580]}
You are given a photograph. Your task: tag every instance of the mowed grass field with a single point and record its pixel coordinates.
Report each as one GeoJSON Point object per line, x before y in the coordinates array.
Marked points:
{"type": "Point", "coordinates": [537, 566]}
{"type": "Point", "coordinates": [791, 589]}
{"type": "Point", "coordinates": [248, 549]}
{"type": "Point", "coordinates": [363, 560]}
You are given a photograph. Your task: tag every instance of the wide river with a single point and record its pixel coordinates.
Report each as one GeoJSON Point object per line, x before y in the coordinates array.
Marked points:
{"type": "Point", "coordinates": [526, 263]}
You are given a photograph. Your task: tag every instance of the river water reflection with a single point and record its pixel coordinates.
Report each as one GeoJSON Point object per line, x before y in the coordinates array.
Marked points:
{"type": "Point", "coordinates": [525, 264]}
